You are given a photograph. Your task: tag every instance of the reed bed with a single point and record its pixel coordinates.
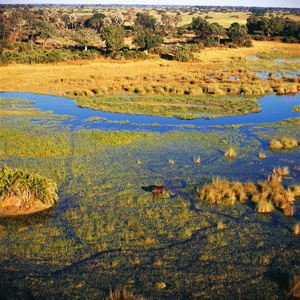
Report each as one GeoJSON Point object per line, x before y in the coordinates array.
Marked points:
{"type": "Point", "coordinates": [266, 195]}
{"type": "Point", "coordinates": [284, 143]}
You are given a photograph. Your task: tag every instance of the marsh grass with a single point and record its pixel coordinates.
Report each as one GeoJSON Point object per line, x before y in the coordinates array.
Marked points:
{"type": "Point", "coordinates": [197, 160]}
{"type": "Point", "coordinates": [104, 216]}
{"type": "Point", "coordinates": [285, 143]}
{"type": "Point", "coordinates": [281, 171]}
{"type": "Point", "coordinates": [266, 195]}
{"type": "Point", "coordinates": [262, 156]}
{"type": "Point", "coordinates": [296, 229]}
{"type": "Point", "coordinates": [264, 206]}
{"type": "Point", "coordinates": [123, 294]}
{"type": "Point", "coordinates": [231, 153]}
{"type": "Point", "coordinates": [161, 104]}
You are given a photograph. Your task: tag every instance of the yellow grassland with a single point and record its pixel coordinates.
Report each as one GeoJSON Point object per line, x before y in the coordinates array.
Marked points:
{"type": "Point", "coordinates": [83, 74]}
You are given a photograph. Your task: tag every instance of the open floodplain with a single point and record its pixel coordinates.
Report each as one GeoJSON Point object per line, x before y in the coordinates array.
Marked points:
{"type": "Point", "coordinates": [134, 125]}
{"type": "Point", "coordinates": [108, 232]}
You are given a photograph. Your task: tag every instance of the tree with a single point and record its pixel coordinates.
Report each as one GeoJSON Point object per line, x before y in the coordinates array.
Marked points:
{"type": "Point", "coordinates": [147, 40]}
{"type": "Point", "coordinates": [44, 30]}
{"type": "Point", "coordinates": [237, 33]}
{"type": "Point", "coordinates": [16, 21]}
{"type": "Point", "coordinates": [113, 36]}
{"type": "Point", "coordinates": [218, 31]}
{"type": "Point", "coordinates": [201, 28]}
{"type": "Point", "coordinates": [145, 20]}
{"type": "Point", "coordinates": [167, 20]}
{"type": "Point", "coordinates": [85, 37]}
{"type": "Point", "coordinates": [96, 22]}
{"type": "Point", "coordinates": [66, 19]}
{"type": "Point", "coordinates": [73, 19]}
{"type": "Point", "coordinates": [129, 17]}
{"type": "Point", "coordinates": [119, 20]}
{"type": "Point", "coordinates": [5, 27]}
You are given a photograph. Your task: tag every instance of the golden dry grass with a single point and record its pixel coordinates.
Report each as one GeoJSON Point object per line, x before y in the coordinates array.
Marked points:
{"type": "Point", "coordinates": [80, 75]}
{"type": "Point", "coordinates": [20, 112]}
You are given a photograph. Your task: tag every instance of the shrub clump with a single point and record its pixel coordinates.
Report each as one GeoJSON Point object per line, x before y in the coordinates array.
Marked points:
{"type": "Point", "coordinates": [183, 55]}
{"type": "Point", "coordinates": [21, 191]}
{"type": "Point", "coordinates": [248, 43]}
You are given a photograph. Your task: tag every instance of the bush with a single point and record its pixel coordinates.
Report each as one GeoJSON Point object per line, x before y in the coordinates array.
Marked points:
{"type": "Point", "coordinates": [233, 46]}
{"type": "Point", "coordinates": [183, 55]}
{"type": "Point", "coordinates": [248, 43]}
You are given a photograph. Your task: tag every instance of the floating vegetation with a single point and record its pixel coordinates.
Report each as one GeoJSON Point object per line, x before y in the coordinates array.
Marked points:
{"type": "Point", "coordinates": [296, 108]}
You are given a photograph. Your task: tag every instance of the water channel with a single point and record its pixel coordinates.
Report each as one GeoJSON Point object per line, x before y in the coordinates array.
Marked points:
{"type": "Point", "coordinates": [274, 108]}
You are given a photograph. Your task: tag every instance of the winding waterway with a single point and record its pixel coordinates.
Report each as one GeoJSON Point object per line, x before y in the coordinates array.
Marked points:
{"type": "Point", "coordinates": [274, 108]}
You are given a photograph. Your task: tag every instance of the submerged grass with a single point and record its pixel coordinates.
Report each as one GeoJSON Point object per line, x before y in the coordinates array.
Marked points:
{"type": "Point", "coordinates": [109, 231]}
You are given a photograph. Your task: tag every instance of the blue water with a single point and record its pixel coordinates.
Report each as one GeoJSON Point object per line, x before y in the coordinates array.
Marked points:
{"type": "Point", "coordinates": [274, 108]}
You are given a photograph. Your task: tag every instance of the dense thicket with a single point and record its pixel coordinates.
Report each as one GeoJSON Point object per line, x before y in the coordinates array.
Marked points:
{"type": "Point", "coordinates": [274, 28]}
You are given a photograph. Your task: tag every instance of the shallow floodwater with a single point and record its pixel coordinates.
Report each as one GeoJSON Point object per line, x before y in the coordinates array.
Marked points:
{"type": "Point", "coordinates": [274, 108]}
{"type": "Point", "coordinates": [109, 232]}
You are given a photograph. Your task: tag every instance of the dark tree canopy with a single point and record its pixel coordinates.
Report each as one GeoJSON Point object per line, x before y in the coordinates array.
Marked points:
{"type": "Point", "coordinates": [113, 36]}
{"type": "Point", "coordinates": [238, 33]}
{"type": "Point", "coordinates": [201, 28]}
{"type": "Point", "coordinates": [147, 40]}
{"type": "Point", "coordinates": [145, 20]}
{"type": "Point", "coordinates": [95, 22]}
{"type": "Point", "coordinates": [286, 29]}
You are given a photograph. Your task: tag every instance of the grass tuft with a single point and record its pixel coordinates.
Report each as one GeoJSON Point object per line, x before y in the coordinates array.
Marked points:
{"type": "Point", "coordinates": [230, 153]}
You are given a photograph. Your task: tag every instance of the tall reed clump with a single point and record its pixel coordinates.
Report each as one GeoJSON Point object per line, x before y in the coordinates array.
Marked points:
{"type": "Point", "coordinates": [122, 294]}
{"type": "Point", "coordinates": [25, 188]}
{"type": "Point", "coordinates": [285, 143]}
{"type": "Point", "coordinates": [267, 195]}
{"type": "Point", "coordinates": [271, 193]}
{"type": "Point", "coordinates": [281, 171]}
{"type": "Point", "coordinates": [230, 153]}
{"type": "Point", "coordinates": [222, 192]}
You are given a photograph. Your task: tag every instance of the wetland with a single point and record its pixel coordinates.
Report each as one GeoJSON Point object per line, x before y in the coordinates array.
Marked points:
{"type": "Point", "coordinates": [108, 232]}
{"type": "Point", "coordinates": [220, 132]}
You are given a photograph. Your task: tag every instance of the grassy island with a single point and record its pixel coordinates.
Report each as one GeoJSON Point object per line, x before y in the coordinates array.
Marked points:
{"type": "Point", "coordinates": [23, 193]}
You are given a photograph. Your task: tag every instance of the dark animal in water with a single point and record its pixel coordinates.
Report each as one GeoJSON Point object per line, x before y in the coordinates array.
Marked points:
{"type": "Point", "coordinates": [158, 190]}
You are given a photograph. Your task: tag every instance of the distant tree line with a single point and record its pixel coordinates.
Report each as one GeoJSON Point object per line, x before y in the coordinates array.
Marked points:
{"type": "Point", "coordinates": [274, 28]}
{"type": "Point", "coordinates": [31, 34]}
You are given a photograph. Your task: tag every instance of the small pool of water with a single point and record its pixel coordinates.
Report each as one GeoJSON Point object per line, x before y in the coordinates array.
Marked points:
{"type": "Point", "coordinates": [274, 108]}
